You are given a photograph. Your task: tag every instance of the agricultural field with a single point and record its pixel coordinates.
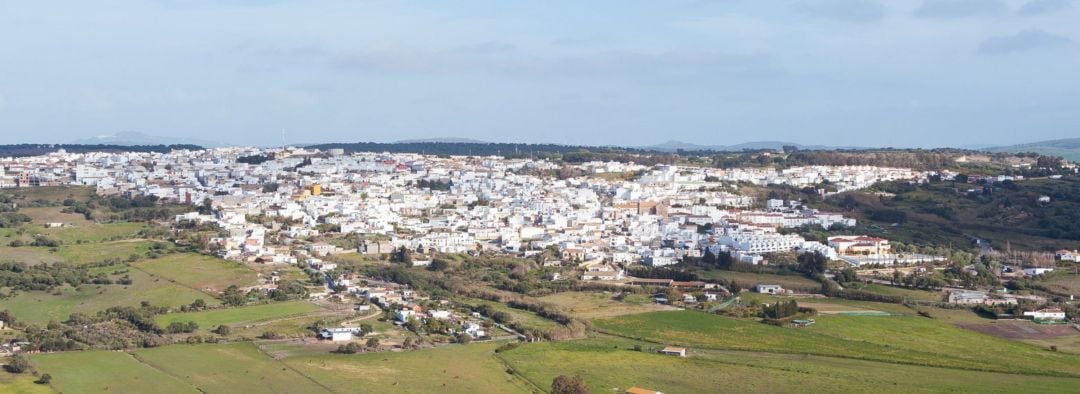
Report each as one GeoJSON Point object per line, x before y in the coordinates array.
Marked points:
{"type": "Point", "coordinates": [227, 368]}
{"type": "Point", "coordinates": [75, 253]}
{"type": "Point", "coordinates": [207, 320]}
{"type": "Point", "coordinates": [54, 194]}
{"type": "Point", "coordinates": [910, 294]}
{"type": "Point", "coordinates": [22, 384]}
{"type": "Point", "coordinates": [612, 364]}
{"type": "Point", "coordinates": [901, 339]}
{"type": "Point", "coordinates": [40, 307]}
{"type": "Point", "coordinates": [600, 305]}
{"type": "Point", "coordinates": [204, 273]}
{"type": "Point", "coordinates": [106, 371]}
{"type": "Point", "coordinates": [42, 215]}
{"type": "Point", "coordinates": [1065, 283]}
{"type": "Point", "coordinates": [449, 369]}
{"type": "Point", "coordinates": [747, 280]}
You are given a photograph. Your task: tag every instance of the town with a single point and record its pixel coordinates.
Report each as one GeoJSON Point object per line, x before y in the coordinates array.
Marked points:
{"type": "Point", "coordinates": [302, 250]}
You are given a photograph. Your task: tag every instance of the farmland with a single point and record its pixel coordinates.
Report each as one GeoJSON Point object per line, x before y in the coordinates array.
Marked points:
{"type": "Point", "coordinates": [98, 371]}
{"type": "Point", "coordinates": [607, 363]}
{"type": "Point", "coordinates": [212, 318]}
{"type": "Point", "coordinates": [450, 369]}
{"type": "Point", "coordinates": [41, 307]}
{"type": "Point", "coordinates": [199, 272]}
{"type": "Point", "coordinates": [225, 368]}
{"type": "Point", "coordinates": [601, 305]}
{"type": "Point", "coordinates": [909, 340]}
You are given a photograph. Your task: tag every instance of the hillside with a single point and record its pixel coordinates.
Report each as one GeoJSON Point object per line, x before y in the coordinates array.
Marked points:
{"type": "Point", "coordinates": [1068, 148]}
{"type": "Point", "coordinates": [946, 213]}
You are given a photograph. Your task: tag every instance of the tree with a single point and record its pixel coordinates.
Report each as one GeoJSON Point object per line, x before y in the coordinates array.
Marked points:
{"type": "Point", "coordinates": [563, 384]}
{"type": "Point", "coordinates": [44, 379]}
{"type": "Point", "coordinates": [812, 263]}
{"type": "Point", "coordinates": [222, 330]}
{"type": "Point", "coordinates": [373, 343]}
{"type": "Point", "coordinates": [464, 338]}
{"type": "Point", "coordinates": [18, 364]}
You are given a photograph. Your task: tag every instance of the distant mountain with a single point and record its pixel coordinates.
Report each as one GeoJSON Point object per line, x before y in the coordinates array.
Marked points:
{"type": "Point", "coordinates": [442, 141]}
{"type": "Point", "coordinates": [672, 146]}
{"type": "Point", "coordinates": [1068, 148]}
{"type": "Point", "coordinates": [134, 138]}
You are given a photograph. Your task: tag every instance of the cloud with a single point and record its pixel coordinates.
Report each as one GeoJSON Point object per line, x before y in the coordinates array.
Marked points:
{"type": "Point", "coordinates": [859, 11]}
{"type": "Point", "coordinates": [1039, 7]}
{"type": "Point", "coordinates": [947, 9]}
{"type": "Point", "coordinates": [1023, 41]}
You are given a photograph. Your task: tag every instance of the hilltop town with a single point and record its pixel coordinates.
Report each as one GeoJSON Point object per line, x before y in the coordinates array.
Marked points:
{"type": "Point", "coordinates": [304, 254]}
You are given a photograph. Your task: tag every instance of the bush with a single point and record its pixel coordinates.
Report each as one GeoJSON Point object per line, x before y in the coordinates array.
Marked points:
{"type": "Point", "coordinates": [18, 364]}
{"type": "Point", "coordinates": [44, 379]}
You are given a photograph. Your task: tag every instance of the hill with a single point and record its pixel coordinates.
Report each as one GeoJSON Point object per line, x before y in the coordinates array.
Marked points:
{"type": "Point", "coordinates": [941, 213]}
{"type": "Point", "coordinates": [1068, 148]}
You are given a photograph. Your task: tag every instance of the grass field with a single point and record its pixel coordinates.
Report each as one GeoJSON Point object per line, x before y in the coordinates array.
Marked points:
{"type": "Point", "coordinates": [55, 194]}
{"type": "Point", "coordinates": [449, 369]}
{"type": "Point", "coordinates": [747, 280]}
{"type": "Point", "coordinates": [1065, 283]}
{"type": "Point", "coordinates": [106, 371]}
{"type": "Point", "coordinates": [610, 365]}
{"type": "Point", "coordinates": [42, 215]}
{"type": "Point", "coordinates": [227, 368]}
{"type": "Point", "coordinates": [199, 272]}
{"type": "Point", "coordinates": [21, 384]}
{"type": "Point", "coordinates": [912, 340]}
{"type": "Point", "coordinates": [207, 320]}
{"type": "Point", "coordinates": [600, 305]}
{"type": "Point", "coordinates": [75, 253]}
{"type": "Point", "coordinates": [911, 294]}
{"type": "Point", "coordinates": [93, 232]}
{"type": "Point", "coordinates": [40, 307]}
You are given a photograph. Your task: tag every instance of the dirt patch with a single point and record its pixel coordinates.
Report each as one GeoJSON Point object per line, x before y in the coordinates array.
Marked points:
{"type": "Point", "coordinates": [1022, 330]}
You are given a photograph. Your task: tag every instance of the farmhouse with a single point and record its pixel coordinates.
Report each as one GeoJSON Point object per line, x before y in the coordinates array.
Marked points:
{"type": "Point", "coordinates": [338, 334]}
{"type": "Point", "coordinates": [1068, 255]}
{"type": "Point", "coordinates": [1036, 271]}
{"type": "Point", "coordinates": [674, 351]}
{"type": "Point", "coordinates": [1046, 314]}
{"type": "Point", "coordinates": [769, 289]}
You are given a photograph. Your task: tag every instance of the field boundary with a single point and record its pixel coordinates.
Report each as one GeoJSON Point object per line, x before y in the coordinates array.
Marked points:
{"type": "Point", "coordinates": [290, 367]}
{"type": "Point", "coordinates": [517, 374]}
{"type": "Point", "coordinates": [143, 361]}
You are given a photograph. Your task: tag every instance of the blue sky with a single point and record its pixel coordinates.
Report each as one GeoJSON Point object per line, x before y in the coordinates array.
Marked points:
{"type": "Point", "coordinates": [837, 72]}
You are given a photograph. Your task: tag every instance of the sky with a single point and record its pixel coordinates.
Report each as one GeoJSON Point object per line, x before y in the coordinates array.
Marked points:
{"type": "Point", "coordinates": [900, 73]}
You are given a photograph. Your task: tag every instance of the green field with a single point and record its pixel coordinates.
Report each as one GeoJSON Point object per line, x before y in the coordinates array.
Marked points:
{"type": "Point", "coordinates": [21, 384]}
{"type": "Point", "coordinates": [199, 272]}
{"type": "Point", "coordinates": [227, 368]}
{"type": "Point", "coordinates": [611, 365]}
{"type": "Point", "coordinates": [207, 320]}
{"type": "Point", "coordinates": [106, 371]}
{"type": "Point", "coordinates": [911, 294]}
{"type": "Point", "coordinates": [747, 280]}
{"type": "Point", "coordinates": [1064, 283]}
{"type": "Point", "coordinates": [39, 307]}
{"type": "Point", "coordinates": [600, 305]}
{"type": "Point", "coordinates": [75, 253]}
{"type": "Point", "coordinates": [450, 369]}
{"type": "Point", "coordinates": [911, 340]}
